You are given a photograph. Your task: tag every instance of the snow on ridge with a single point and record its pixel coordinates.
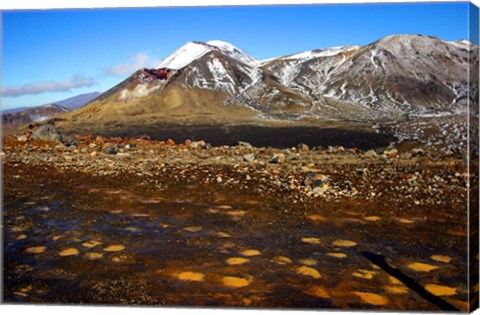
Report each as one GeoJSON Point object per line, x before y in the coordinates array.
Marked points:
{"type": "Point", "coordinates": [321, 53]}
{"type": "Point", "coordinates": [233, 52]}
{"type": "Point", "coordinates": [464, 43]}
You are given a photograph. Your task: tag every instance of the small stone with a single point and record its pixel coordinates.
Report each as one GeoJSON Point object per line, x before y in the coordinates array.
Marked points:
{"type": "Point", "coordinates": [391, 153]}
{"type": "Point", "coordinates": [249, 157]}
{"type": "Point", "coordinates": [170, 142]}
{"type": "Point", "coordinates": [22, 138]}
{"type": "Point", "coordinates": [277, 158]}
{"type": "Point", "coordinates": [111, 150]}
{"type": "Point", "coordinates": [302, 147]}
{"type": "Point", "coordinates": [219, 179]}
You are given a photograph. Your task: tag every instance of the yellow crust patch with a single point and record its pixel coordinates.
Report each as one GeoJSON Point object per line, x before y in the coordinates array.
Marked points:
{"type": "Point", "coordinates": [190, 276]}
{"type": "Point", "coordinates": [440, 290]}
{"type": "Point", "coordinates": [309, 272]}
{"type": "Point", "coordinates": [235, 282]}
{"type": "Point", "coordinates": [344, 243]}
{"type": "Point", "coordinates": [417, 266]}
{"type": "Point", "coordinates": [371, 298]}
{"type": "Point", "coordinates": [237, 260]}
{"type": "Point", "coordinates": [114, 248]}
{"type": "Point", "coordinates": [311, 240]}
{"type": "Point", "coordinates": [69, 252]}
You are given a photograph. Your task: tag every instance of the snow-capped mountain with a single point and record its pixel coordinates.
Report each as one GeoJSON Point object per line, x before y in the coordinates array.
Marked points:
{"type": "Point", "coordinates": [395, 76]}
{"type": "Point", "coordinates": [194, 50]}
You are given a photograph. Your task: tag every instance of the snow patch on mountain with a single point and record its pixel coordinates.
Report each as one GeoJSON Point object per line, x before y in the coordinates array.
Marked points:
{"type": "Point", "coordinates": [192, 51]}
{"type": "Point", "coordinates": [185, 55]}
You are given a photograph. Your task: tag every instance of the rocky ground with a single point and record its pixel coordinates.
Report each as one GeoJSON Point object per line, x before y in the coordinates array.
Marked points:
{"type": "Point", "coordinates": [135, 221]}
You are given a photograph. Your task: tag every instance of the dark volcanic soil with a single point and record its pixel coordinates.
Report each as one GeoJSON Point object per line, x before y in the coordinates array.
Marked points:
{"type": "Point", "coordinates": [259, 136]}
{"type": "Point", "coordinates": [161, 224]}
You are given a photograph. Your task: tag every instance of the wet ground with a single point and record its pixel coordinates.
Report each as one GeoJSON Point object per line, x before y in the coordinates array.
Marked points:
{"type": "Point", "coordinates": [77, 237]}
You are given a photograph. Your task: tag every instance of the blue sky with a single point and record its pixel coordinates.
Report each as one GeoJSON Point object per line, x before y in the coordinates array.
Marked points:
{"type": "Point", "coordinates": [56, 54]}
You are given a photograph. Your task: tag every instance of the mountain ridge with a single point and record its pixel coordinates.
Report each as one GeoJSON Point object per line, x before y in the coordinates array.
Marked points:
{"type": "Point", "coordinates": [393, 77]}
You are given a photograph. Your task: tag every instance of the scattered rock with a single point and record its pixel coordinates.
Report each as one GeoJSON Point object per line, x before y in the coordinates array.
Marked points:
{"type": "Point", "coordinates": [249, 157]}
{"type": "Point", "coordinates": [277, 158]}
{"type": "Point", "coordinates": [418, 152]}
{"type": "Point", "coordinates": [371, 153]}
{"type": "Point", "coordinates": [244, 144]}
{"type": "Point", "coordinates": [111, 150]}
{"type": "Point", "coordinates": [22, 138]}
{"type": "Point", "coordinates": [390, 153]}
{"type": "Point", "coordinates": [170, 142]}
{"type": "Point", "coordinates": [302, 147]}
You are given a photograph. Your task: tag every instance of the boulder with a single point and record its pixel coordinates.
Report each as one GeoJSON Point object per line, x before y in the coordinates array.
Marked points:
{"type": "Point", "coordinates": [302, 147]}
{"type": "Point", "coordinates": [249, 157]}
{"type": "Point", "coordinates": [69, 141]}
{"type": "Point", "coordinates": [22, 138]}
{"type": "Point", "coordinates": [244, 144]}
{"type": "Point", "coordinates": [47, 133]}
{"type": "Point", "coordinates": [390, 152]}
{"type": "Point", "coordinates": [371, 153]}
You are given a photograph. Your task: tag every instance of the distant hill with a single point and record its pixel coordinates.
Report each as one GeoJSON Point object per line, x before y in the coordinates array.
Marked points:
{"type": "Point", "coordinates": [69, 103]}
{"type": "Point", "coordinates": [17, 117]}
{"type": "Point", "coordinates": [34, 114]}
{"type": "Point", "coordinates": [77, 101]}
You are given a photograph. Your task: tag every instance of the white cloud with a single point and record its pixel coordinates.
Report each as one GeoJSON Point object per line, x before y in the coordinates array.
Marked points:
{"type": "Point", "coordinates": [47, 86]}
{"type": "Point", "coordinates": [138, 61]}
